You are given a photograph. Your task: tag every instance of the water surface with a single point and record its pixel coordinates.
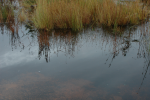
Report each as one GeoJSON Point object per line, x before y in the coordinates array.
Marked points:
{"type": "Point", "coordinates": [93, 64]}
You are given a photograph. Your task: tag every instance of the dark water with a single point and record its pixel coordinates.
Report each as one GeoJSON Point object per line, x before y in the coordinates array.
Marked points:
{"type": "Point", "coordinates": [61, 65]}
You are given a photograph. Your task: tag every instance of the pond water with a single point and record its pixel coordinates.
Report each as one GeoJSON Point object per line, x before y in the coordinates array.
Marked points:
{"type": "Point", "coordinates": [93, 64]}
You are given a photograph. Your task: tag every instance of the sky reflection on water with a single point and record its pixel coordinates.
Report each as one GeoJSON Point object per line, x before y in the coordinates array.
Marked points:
{"type": "Point", "coordinates": [61, 65]}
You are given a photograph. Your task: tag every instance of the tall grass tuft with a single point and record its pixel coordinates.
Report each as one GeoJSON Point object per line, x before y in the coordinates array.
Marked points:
{"type": "Point", "coordinates": [147, 2]}
{"type": "Point", "coordinates": [27, 3]}
{"type": "Point", "coordinates": [122, 14]}
{"type": "Point", "coordinates": [6, 13]}
{"type": "Point", "coordinates": [76, 14]}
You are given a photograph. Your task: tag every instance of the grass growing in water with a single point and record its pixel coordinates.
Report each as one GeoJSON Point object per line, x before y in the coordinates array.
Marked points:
{"type": "Point", "coordinates": [6, 13]}
{"type": "Point", "coordinates": [76, 14]}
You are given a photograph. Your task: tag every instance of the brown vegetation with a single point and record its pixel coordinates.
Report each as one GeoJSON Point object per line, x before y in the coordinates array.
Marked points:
{"type": "Point", "coordinates": [76, 14]}
{"type": "Point", "coordinates": [6, 13]}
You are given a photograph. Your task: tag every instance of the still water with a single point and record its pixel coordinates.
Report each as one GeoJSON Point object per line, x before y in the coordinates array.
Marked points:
{"type": "Point", "coordinates": [93, 64]}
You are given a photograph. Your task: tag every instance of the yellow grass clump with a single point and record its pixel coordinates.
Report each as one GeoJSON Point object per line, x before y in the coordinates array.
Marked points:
{"type": "Point", "coordinates": [122, 13]}
{"type": "Point", "coordinates": [27, 3]}
{"type": "Point", "coordinates": [22, 16]}
{"type": "Point", "coordinates": [76, 14]}
{"type": "Point", "coordinates": [147, 2]}
{"type": "Point", "coordinates": [6, 14]}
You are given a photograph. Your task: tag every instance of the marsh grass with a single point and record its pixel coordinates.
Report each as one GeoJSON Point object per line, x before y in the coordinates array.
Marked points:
{"type": "Point", "coordinates": [147, 2]}
{"type": "Point", "coordinates": [22, 16]}
{"type": "Point", "coordinates": [77, 14]}
{"type": "Point", "coordinates": [27, 3]}
{"type": "Point", "coordinates": [27, 8]}
{"type": "Point", "coordinates": [6, 13]}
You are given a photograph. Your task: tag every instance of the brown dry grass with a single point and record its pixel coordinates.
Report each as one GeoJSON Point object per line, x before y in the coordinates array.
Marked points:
{"type": "Point", "coordinates": [76, 14]}
{"type": "Point", "coordinates": [6, 13]}
{"type": "Point", "coordinates": [147, 2]}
